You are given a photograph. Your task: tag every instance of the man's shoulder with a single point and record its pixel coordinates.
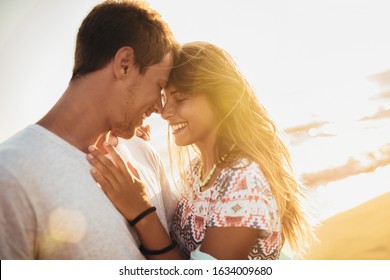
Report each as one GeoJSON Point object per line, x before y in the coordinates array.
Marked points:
{"type": "Point", "coordinates": [33, 150]}
{"type": "Point", "coordinates": [14, 146]}
{"type": "Point", "coordinates": [136, 143]}
{"type": "Point", "coordinates": [141, 150]}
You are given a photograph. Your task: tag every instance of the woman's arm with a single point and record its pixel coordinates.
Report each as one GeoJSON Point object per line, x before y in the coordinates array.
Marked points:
{"type": "Point", "coordinates": [230, 243]}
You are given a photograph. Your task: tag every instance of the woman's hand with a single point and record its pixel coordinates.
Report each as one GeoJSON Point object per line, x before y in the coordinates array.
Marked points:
{"type": "Point", "coordinates": [120, 181]}
{"type": "Point", "coordinates": [143, 132]}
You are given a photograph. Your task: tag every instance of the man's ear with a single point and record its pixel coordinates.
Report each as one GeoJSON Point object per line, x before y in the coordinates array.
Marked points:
{"type": "Point", "coordinates": [123, 62]}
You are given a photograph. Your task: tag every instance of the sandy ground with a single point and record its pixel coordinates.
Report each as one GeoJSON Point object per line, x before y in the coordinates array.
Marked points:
{"type": "Point", "coordinates": [361, 233]}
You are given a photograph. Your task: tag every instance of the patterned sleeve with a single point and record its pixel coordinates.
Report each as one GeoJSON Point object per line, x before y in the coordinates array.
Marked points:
{"type": "Point", "coordinates": [244, 199]}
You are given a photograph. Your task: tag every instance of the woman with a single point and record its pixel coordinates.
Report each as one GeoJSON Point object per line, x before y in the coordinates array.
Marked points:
{"type": "Point", "coordinates": [240, 198]}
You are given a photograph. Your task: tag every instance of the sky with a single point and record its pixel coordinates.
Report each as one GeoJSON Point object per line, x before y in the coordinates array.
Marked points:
{"type": "Point", "coordinates": [294, 53]}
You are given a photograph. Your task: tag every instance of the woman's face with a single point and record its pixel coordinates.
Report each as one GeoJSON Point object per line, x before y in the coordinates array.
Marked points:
{"type": "Point", "coordinates": [191, 117]}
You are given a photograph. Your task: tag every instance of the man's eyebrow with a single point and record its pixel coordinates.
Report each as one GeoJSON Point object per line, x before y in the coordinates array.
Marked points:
{"type": "Point", "coordinates": [174, 92]}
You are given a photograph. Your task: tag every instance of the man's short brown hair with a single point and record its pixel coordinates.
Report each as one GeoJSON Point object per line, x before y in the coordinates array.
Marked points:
{"type": "Point", "coordinates": [115, 24]}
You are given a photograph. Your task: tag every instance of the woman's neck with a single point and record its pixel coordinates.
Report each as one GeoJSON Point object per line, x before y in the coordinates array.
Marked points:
{"type": "Point", "coordinates": [208, 159]}
{"type": "Point", "coordinates": [207, 152]}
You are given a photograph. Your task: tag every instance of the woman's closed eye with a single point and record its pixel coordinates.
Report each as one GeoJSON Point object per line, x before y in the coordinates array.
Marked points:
{"type": "Point", "coordinates": [179, 97]}
{"type": "Point", "coordinates": [180, 100]}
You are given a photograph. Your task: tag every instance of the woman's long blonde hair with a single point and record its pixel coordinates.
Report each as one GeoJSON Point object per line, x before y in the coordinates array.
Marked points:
{"type": "Point", "coordinates": [245, 131]}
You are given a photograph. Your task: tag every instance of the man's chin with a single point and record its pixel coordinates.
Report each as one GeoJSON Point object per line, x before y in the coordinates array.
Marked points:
{"type": "Point", "coordinates": [123, 134]}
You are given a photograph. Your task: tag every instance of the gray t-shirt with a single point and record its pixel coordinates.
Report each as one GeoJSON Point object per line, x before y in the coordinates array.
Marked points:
{"type": "Point", "coordinates": [51, 208]}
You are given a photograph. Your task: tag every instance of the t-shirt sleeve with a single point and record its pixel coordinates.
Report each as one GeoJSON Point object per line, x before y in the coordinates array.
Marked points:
{"type": "Point", "coordinates": [170, 198]}
{"type": "Point", "coordinates": [243, 200]}
{"type": "Point", "coordinates": [142, 151]}
{"type": "Point", "coordinates": [17, 220]}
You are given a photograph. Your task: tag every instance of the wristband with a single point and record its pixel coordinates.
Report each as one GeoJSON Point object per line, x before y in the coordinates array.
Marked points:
{"type": "Point", "coordinates": [145, 251]}
{"type": "Point", "coordinates": [141, 216]}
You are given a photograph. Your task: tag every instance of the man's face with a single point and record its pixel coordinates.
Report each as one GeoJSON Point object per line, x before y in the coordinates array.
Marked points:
{"type": "Point", "coordinates": [141, 97]}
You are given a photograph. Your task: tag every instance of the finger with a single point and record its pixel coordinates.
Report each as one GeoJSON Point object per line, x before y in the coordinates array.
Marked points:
{"type": "Point", "coordinates": [104, 165]}
{"type": "Point", "coordinates": [102, 158]}
{"type": "Point", "coordinates": [103, 172]}
{"type": "Point", "coordinates": [147, 128]}
{"type": "Point", "coordinates": [112, 139]}
{"type": "Point", "coordinates": [133, 170]}
{"type": "Point", "coordinates": [99, 142]}
{"type": "Point", "coordinates": [128, 176]}
{"type": "Point", "coordinates": [143, 132]}
{"type": "Point", "coordinates": [102, 182]}
{"type": "Point", "coordinates": [118, 160]}
{"type": "Point", "coordinates": [139, 132]}
{"type": "Point", "coordinates": [147, 131]}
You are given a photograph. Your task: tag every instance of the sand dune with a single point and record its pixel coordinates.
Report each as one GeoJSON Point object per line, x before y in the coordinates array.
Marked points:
{"type": "Point", "coordinates": [361, 233]}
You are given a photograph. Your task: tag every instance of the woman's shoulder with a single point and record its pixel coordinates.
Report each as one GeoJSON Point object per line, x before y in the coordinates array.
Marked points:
{"type": "Point", "coordinates": [245, 172]}
{"type": "Point", "coordinates": [245, 167]}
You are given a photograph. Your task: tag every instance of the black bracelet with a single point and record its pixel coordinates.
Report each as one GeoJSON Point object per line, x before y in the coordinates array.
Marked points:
{"type": "Point", "coordinates": [145, 251]}
{"type": "Point", "coordinates": [142, 215]}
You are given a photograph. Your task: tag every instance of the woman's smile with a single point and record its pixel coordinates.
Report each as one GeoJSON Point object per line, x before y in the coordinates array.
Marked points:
{"type": "Point", "coordinates": [178, 127]}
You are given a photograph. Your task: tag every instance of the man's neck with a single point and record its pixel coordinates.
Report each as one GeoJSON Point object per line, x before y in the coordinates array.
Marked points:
{"type": "Point", "coordinates": [76, 118]}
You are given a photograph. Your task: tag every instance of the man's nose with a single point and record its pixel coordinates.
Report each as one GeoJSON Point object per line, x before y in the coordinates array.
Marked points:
{"type": "Point", "coordinates": [157, 107]}
{"type": "Point", "coordinates": [167, 112]}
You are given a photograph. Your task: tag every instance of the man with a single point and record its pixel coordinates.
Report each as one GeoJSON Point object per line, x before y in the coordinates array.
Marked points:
{"type": "Point", "coordinates": [50, 207]}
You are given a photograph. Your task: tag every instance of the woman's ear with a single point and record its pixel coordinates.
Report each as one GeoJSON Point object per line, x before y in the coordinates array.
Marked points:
{"type": "Point", "coordinates": [123, 62]}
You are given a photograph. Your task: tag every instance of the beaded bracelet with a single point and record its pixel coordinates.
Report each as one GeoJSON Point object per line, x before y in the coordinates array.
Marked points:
{"type": "Point", "coordinates": [141, 216]}
{"type": "Point", "coordinates": [145, 251]}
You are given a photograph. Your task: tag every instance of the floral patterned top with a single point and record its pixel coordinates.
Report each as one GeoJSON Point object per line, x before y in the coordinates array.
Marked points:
{"type": "Point", "coordinates": [239, 197]}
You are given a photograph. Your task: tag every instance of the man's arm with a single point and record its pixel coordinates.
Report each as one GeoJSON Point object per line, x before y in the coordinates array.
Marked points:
{"type": "Point", "coordinates": [17, 220]}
